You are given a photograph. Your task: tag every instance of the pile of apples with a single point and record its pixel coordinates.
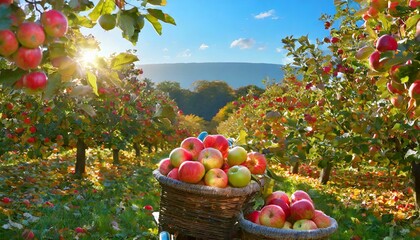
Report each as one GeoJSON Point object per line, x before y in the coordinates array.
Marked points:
{"type": "Point", "coordinates": [297, 212]}
{"type": "Point", "coordinates": [211, 160]}
{"type": "Point", "coordinates": [23, 43]}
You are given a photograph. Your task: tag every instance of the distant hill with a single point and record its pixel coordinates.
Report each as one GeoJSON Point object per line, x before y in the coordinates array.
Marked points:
{"type": "Point", "coordinates": [235, 74]}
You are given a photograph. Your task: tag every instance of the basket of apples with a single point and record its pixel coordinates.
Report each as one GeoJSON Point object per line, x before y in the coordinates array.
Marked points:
{"type": "Point", "coordinates": [205, 184]}
{"type": "Point", "coordinates": [282, 217]}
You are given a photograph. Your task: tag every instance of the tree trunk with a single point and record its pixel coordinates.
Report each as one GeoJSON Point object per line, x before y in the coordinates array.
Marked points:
{"type": "Point", "coordinates": [325, 173]}
{"type": "Point", "coordinates": [116, 156]}
{"type": "Point", "coordinates": [136, 149]}
{"type": "Point", "coordinates": [80, 157]}
{"type": "Point", "coordinates": [295, 167]}
{"type": "Point", "coordinates": [415, 167]}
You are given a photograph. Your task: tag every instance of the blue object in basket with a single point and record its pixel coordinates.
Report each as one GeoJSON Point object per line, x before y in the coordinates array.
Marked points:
{"type": "Point", "coordinates": [231, 141]}
{"type": "Point", "coordinates": [202, 135]}
{"type": "Point", "coordinates": [164, 236]}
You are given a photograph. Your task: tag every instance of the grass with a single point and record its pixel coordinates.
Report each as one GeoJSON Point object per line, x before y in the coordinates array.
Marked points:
{"type": "Point", "coordinates": [108, 201]}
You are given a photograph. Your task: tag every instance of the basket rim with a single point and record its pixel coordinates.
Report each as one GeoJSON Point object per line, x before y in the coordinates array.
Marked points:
{"type": "Point", "coordinates": [277, 233]}
{"type": "Point", "coordinates": [207, 190]}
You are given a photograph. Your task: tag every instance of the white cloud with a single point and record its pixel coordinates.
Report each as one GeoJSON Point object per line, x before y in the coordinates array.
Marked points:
{"type": "Point", "coordinates": [269, 14]}
{"type": "Point", "coordinates": [262, 48]}
{"type": "Point", "coordinates": [203, 46]}
{"type": "Point", "coordinates": [243, 43]}
{"type": "Point", "coordinates": [185, 54]}
{"type": "Point", "coordinates": [165, 50]}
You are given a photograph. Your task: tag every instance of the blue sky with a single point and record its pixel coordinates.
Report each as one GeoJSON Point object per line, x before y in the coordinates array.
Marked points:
{"type": "Point", "coordinates": [224, 31]}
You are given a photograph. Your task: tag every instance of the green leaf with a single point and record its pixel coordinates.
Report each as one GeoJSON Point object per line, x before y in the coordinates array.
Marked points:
{"type": "Point", "coordinates": [84, 21]}
{"type": "Point", "coordinates": [241, 140]}
{"type": "Point", "coordinates": [91, 78]}
{"type": "Point", "coordinates": [412, 21]}
{"type": "Point", "coordinates": [338, 3]}
{"type": "Point", "coordinates": [405, 79]}
{"type": "Point", "coordinates": [53, 86]}
{"type": "Point", "coordinates": [364, 52]}
{"type": "Point", "coordinates": [155, 23]}
{"type": "Point", "coordinates": [386, 24]}
{"type": "Point", "coordinates": [88, 109]}
{"type": "Point", "coordinates": [9, 77]}
{"type": "Point", "coordinates": [127, 24]}
{"type": "Point", "coordinates": [272, 175]}
{"type": "Point", "coordinates": [157, 2]}
{"type": "Point", "coordinates": [157, 13]}
{"type": "Point", "coordinates": [122, 60]}
{"type": "Point", "coordinates": [103, 7]}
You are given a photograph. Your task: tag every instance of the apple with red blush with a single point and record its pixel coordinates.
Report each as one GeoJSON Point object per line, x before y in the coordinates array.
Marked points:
{"type": "Point", "coordinates": [321, 219]}
{"type": "Point", "coordinates": [217, 141]}
{"type": "Point", "coordinates": [191, 172]}
{"type": "Point", "coordinates": [179, 155]}
{"type": "Point", "coordinates": [211, 158]}
{"type": "Point", "coordinates": [165, 166]}
{"type": "Point", "coordinates": [256, 162]}
{"type": "Point", "coordinates": [216, 177]}
{"type": "Point", "coordinates": [193, 145]}
{"type": "Point", "coordinates": [299, 195]}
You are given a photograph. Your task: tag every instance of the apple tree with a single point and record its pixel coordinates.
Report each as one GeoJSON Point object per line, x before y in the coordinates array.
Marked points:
{"type": "Point", "coordinates": [41, 56]}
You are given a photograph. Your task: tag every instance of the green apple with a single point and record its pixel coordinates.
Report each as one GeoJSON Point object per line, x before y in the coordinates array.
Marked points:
{"type": "Point", "coordinates": [239, 176]}
{"type": "Point", "coordinates": [236, 156]}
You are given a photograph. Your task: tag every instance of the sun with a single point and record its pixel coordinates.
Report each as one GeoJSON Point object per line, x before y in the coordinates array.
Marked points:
{"type": "Point", "coordinates": [88, 56]}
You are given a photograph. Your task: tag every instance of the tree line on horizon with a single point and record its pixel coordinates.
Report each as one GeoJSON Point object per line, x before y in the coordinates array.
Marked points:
{"type": "Point", "coordinates": [206, 98]}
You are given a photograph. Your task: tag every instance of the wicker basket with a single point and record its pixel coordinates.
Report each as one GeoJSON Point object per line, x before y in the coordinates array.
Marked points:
{"type": "Point", "coordinates": [200, 211]}
{"type": "Point", "coordinates": [252, 231]}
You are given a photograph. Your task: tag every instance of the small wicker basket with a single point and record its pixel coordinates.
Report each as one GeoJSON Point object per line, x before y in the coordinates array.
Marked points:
{"type": "Point", "coordinates": [200, 211]}
{"type": "Point", "coordinates": [252, 231]}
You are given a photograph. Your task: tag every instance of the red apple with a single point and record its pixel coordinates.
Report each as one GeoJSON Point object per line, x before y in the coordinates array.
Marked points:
{"type": "Point", "coordinates": [386, 43]}
{"type": "Point", "coordinates": [321, 219]}
{"type": "Point", "coordinates": [254, 216]}
{"type": "Point", "coordinates": [211, 158]}
{"type": "Point", "coordinates": [335, 40]}
{"type": "Point", "coordinates": [278, 194]}
{"type": "Point", "coordinates": [193, 145]}
{"type": "Point", "coordinates": [55, 23]}
{"type": "Point", "coordinates": [302, 209]}
{"type": "Point", "coordinates": [281, 203]}
{"type": "Point", "coordinates": [236, 156]}
{"type": "Point", "coordinates": [28, 234]}
{"type": "Point", "coordinates": [6, 200]}
{"type": "Point", "coordinates": [299, 195]}
{"type": "Point", "coordinates": [239, 176]}
{"type": "Point", "coordinates": [35, 80]}
{"type": "Point", "coordinates": [191, 172]}
{"type": "Point", "coordinates": [414, 90]}
{"type": "Point", "coordinates": [272, 216]}
{"type": "Point", "coordinates": [173, 174]}
{"type": "Point", "coordinates": [304, 224]}
{"type": "Point", "coordinates": [6, 2]}
{"type": "Point", "coordinates": [394, 87]}
{"type": "Point", "coordinates": [216, 177]}
{"type": "Point", "coordinates": [178, 156]}
{"type": "Point", "coordinates": [30, 35]}
{"type": "Point", "coordinates": [256, 163]}
{"type": "Point", "coordinates": [8, 43]}
{"type": "Point", "coordinates": [165, 166]}
{"type": "Point", "coordinates": [217, 141]}
{"type": "Point", "coordinates": [414, 3]}
{"type": "Point", "coordinates": [28, 58]}
{"type": "Point", "coordinates": [375, 61]}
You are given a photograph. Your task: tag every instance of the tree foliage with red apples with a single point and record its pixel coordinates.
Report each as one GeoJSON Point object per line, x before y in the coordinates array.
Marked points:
{"type": "Point", "coordinates": [348, 99]}
{"type": "Point", "coordinates": [57, 96]}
